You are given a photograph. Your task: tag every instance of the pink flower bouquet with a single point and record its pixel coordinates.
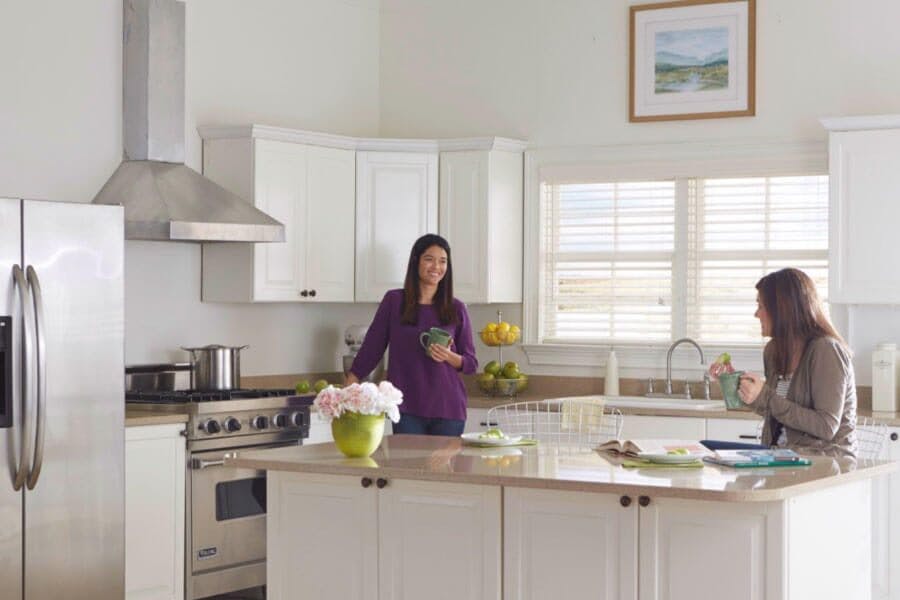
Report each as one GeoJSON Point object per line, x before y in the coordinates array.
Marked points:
{"type": "Point", "coordinates": [362, 398]}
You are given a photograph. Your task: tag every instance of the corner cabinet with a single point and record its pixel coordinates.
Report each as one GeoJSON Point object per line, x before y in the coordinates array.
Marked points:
{"type": "Point", "coordinates": [311, 190]}
{"type": "Point", "coordinates": [481, 216]}
{"type": "Point", "coordinates": [154, 512]}
{"type": "Point", "coordinates": [864, 214]}
{"type": "Point", "coordinates": [396, 203]}
{"type": "Point", "coordinates": [354, 538]}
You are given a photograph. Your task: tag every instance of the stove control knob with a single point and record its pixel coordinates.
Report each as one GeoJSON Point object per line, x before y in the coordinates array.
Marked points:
{"type": "Point", "coordinates": [298, 419]}
{"type": "Point", "coordinates": [232, 425]}
{"type": "Point", "coordinates": [260, 422]}
{"type": "Point", "coordinates": [210, 426]}
{"type": "Point", "coordinates": [280, 420]}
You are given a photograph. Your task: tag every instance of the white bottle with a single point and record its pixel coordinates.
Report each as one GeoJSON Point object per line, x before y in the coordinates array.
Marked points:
{"type": "Point", "coordinates": [885, 377]}
{"type": "Point", "coordinates": [611, 382]}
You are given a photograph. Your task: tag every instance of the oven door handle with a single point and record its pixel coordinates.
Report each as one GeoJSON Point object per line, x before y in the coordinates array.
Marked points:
{"type": "Point", "coordinates": [199, 463]}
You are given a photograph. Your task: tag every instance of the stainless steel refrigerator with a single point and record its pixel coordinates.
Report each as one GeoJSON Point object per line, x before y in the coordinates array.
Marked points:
{"type": "Point", "coordinates": [62, 412]}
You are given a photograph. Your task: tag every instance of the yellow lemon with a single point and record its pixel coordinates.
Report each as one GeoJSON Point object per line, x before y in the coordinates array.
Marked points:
{"type": "Point", "coordinates": [512, 336]}
{"type": "Point", "coordinates": [490, 326]}
{"type": "Point", "coordinates": [493, 340]}
{"type": "Point", "coordinates": [503, 327]}
{"type": "Point", "coordinates": [515, 329]}
{"type": "Point", "coordinates": [501, 335]}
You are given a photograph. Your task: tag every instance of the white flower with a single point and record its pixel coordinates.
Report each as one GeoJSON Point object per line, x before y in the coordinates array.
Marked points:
{"type": "Point", "coordinates": [365, 399]}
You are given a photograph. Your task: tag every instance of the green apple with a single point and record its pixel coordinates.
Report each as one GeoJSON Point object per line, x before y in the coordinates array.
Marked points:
{"type": "Point", "coordinates": [320, 385]}
{"type": "Point", "coordinates": [492, 368]}
{"type": "Point", "coordinates": [511, 370]}
{"type": "Point", "coordinates": [303, 386]}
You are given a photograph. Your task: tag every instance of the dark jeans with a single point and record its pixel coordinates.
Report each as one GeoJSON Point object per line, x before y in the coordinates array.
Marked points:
{"type": "Point", "coordinates": [425, 426]}
{"type": "Point", "coordinates": [723, 445]}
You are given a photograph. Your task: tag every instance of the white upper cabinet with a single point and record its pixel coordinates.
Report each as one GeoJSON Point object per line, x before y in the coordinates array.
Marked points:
{"type": "Point", "coordinates": [863, 159]}
{"type": "Point", "coordinates": [481, 218]}
{"type": "Point", "coordinates": [396, 203]}
{"type": "Point", "coordinates": [311, 189]}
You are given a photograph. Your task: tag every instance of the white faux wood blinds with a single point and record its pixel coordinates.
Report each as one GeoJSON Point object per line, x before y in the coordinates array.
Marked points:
{"type": "Point", "coordinates": [741, 229]}
{"type": "Point", "coordinates": [653, 261]}
{"type": "Point", "coordinates": [608, 261]}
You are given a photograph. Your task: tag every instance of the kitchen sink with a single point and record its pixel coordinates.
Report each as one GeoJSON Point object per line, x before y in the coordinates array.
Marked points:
{"type": "Point", "coordinates": [663, 403]}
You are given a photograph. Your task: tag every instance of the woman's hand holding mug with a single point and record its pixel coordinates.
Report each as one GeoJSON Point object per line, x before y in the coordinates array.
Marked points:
{"type": "Point", "coordinates": [750, 387]}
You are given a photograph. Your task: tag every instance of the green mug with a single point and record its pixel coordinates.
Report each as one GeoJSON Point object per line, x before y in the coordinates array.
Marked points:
{"type": "Point", "coordinates": [730, 382]}
{"type": "Point", "coordinates": [435, 335]}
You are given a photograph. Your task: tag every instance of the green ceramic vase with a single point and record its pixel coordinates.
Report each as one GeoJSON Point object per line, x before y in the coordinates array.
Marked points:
{"type": "Point", "coordinates": [357, 435]}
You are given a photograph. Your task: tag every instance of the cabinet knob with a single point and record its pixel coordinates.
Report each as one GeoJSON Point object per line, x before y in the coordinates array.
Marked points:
{"type": "Point", "coordinates": [893, 437]}
{"type": "Point", "coordinates": [381, 482]}
{"type": "Point", "coordinates": [304, 293]}
{"type": "Point", "coordinates": [625, 501]}
{"type": "Point", "coordinates": [312, 293]}
{"type": "Point", "coordinates": [366, 482]}
{"type": "Point", "coordinates": [644, 500]}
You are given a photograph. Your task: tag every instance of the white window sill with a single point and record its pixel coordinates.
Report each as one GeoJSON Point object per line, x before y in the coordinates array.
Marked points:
{"type": "Point", "coordinates": [642, 360]}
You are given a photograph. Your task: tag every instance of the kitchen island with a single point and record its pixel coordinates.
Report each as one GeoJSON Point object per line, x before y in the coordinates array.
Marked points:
{"type": "Point", "coordinates": [426, 517]}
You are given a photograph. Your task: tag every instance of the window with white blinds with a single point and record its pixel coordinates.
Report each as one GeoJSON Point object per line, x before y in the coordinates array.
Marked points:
{"type": "Point", "coordinates": [652, 261]}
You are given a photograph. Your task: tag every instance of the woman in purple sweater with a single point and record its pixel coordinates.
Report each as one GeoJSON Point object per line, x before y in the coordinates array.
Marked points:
{"type": "Point", "coordinates": [434, 398]}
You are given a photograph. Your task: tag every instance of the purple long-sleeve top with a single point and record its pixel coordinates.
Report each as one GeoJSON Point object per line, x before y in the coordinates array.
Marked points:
{"type": "Point", "coordinates": [430, 389]}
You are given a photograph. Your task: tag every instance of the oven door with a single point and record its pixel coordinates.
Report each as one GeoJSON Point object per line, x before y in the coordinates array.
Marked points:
{"type": "Point", "coordinates": [228, 512]}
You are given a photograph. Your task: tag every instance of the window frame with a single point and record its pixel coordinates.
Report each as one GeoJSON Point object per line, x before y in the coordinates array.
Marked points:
{"type": "Point", "coordinates": [647, 162]}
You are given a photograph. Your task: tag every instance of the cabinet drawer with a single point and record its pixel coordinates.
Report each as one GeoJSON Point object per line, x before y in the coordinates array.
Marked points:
{"type": "Point", "coordinates": [734, 430]}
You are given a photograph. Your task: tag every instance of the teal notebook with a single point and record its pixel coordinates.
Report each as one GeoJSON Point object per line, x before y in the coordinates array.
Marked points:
{"type": "Point", "coordinates": [742, 459]}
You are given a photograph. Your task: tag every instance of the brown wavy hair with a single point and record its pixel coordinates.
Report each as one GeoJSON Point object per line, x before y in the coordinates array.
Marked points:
{"type": "Point", "coordinates": [443, 297]}
{"type": "Point", "coordinates": [798, 317]}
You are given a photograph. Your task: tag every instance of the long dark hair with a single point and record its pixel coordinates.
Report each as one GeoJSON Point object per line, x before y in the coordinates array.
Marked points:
{"type": "Point", "coordinates": [798, 317]}
{"type": "Point", "coordinates": [443, 297]}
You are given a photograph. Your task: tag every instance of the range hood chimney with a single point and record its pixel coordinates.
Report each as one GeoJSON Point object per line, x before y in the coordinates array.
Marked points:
{"type": "Point", "coordinates": [164, 199]}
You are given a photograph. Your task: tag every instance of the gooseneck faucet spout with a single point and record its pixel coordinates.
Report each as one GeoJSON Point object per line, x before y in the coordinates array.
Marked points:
{"type": "Point", "coordinates": [669, 360]}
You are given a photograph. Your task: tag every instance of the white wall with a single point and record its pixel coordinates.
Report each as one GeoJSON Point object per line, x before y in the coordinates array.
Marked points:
{"type": "Point", "coordinates": [556, 74]}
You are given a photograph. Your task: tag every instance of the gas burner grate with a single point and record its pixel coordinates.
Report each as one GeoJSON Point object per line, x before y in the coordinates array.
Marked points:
{"type": "Point", "coordinates": [185, 396]}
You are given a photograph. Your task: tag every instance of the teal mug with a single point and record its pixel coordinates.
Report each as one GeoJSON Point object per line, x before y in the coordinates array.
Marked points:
{"type": "Point", "coordinates": [435, 335]}
{"type": "Point", "coordinates": [730, 382]}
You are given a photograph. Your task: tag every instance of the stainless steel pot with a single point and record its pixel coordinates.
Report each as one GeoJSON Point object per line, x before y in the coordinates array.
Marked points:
{"type": "Point", "coordinates": [215, 367]}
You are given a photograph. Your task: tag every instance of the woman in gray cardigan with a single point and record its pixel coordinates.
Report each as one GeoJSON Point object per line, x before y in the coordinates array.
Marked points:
{"type": "Point", "coordinates": [808, 395]}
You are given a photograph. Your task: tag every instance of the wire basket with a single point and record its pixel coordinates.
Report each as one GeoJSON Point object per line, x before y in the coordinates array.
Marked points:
{"type": "Point", "coordinates": [562, 422]}
{"type": "Point", "coordinates": [871, 437]}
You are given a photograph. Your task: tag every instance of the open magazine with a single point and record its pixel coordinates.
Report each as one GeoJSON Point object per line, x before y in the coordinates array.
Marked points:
{"type": "Point", "coordinates": [645, 447]}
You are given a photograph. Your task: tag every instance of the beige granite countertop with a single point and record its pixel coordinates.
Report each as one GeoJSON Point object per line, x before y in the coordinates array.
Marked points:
{"type": "Point", "coordinates": [435, 458]}
{"type": "Point", "coordinates": [137, 418]}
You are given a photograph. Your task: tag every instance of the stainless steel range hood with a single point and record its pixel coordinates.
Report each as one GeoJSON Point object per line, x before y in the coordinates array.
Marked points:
{"type": "Point", "coordinates": [164, 199]}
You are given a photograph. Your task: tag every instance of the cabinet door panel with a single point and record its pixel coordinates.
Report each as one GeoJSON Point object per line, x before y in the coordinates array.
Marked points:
{"type": "Point", "coordinates": [568, 545]}
{"type": "Point", "coordinates": [464, 220]}
{"type": "Point", "coordinates": [396, 203]}
{"type": "Point", "coordinates": [329, 224]}
{"type": "Point", "coordinates": [439, 540]}
{"type": "Point", "coordinates": [280, 193]}
{"type": "Point", "coordinates": [323, 537]}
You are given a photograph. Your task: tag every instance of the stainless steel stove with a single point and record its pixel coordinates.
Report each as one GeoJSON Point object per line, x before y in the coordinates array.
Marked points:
{"type": "Point", "coordinates": [225, 548]}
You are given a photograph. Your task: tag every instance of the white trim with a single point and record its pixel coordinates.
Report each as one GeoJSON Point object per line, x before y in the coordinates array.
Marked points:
{"type": "Point", "coordinates": [860, 122]}
{"type": "Point", "coordinates": [315, 138]}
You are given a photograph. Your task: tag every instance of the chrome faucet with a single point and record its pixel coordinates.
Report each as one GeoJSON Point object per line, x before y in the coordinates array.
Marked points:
{"type": "Point", "coordinates": [669, 361]}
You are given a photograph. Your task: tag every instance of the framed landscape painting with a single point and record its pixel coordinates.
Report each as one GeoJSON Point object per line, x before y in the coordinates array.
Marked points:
{"type": "Point", "coordinates": [692, 59]}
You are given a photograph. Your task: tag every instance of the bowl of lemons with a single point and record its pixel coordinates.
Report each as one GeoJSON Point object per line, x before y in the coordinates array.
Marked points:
{"type": "Point", "coordinates": [500, 334]}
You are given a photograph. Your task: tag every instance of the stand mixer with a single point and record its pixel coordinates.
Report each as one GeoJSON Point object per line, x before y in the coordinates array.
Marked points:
{"type": "Point", "coordinates": [353, 337]}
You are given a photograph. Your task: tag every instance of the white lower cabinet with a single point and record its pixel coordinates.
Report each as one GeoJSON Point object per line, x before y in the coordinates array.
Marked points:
{"type": "Point", "coordinates": [746, 431]}
{"type": "Point", "coordinates": [641, 427]}
{"type": "Point", "coordinates": [154, 512]}
{"type": "Point", "coordinates": [343, 538]}
{"type": "Point", "coordinates": [585, 544]}
{"type": "Point", "coordinates": [886, 526]}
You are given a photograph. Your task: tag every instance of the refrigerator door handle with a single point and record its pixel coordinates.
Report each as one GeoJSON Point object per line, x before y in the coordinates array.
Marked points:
{"type": "Point", "coordinates": [28, 345]}
{"type": "Point", "coordinates": [41, 354]}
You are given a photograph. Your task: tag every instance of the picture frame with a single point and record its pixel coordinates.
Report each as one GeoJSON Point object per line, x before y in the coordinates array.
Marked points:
{"type": "Point", "coordinates": [692, 59]}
